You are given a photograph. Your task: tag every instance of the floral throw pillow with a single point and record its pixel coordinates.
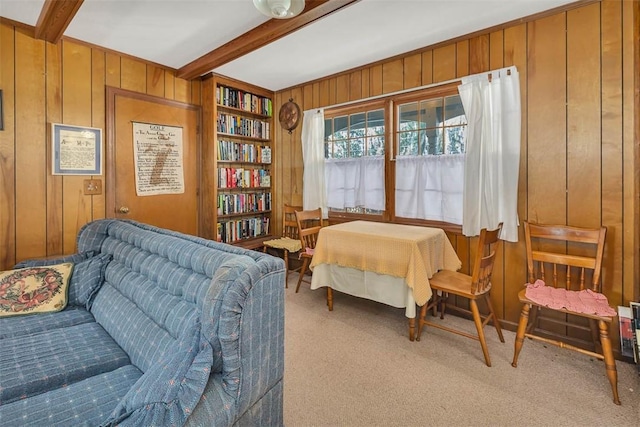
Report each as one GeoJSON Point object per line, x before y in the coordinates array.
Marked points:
{"type": "Point", "coordinates": [34, 289]}
{"type": "Point", "coordinates": [87, 277]}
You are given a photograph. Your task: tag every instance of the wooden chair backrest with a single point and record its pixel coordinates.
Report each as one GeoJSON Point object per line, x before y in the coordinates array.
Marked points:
{"type": "Point", "coordinates": [309, 225]}
{"type": "Point", "coordinates": [289, 222]}
{"type": "Point", "coordinates": [554, 252]}
{"type": "Point", "coordinates": [488, 244]}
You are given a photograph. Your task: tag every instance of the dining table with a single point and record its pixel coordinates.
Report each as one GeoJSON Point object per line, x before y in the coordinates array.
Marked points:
{"type": "Point", "coordinates": [384, 262]}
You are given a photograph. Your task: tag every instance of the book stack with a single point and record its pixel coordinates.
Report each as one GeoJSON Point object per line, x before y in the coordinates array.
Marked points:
{"type": "Point", "coordinates": [233, 124]}
{"type": "Point", "coordinates": [241, 152]}
{"type": "Point", "coordinates": [629, 321]}
{"type": "Point", "coordinates": [229, 204]}
{"type": "Point", "coordinates": [230, 97]}
{"type": "Point", "coordinates": [243, 178]}
{"type": "Point", "coordinates": [247, 228]}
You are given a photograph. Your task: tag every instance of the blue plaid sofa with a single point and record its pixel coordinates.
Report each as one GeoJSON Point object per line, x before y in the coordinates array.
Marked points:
{"type": "Point", "coordinates": [161, 329]}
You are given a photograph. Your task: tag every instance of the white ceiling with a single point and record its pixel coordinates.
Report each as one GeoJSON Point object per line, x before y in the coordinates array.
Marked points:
{"type": "Point", "coordinates": [175, 32]}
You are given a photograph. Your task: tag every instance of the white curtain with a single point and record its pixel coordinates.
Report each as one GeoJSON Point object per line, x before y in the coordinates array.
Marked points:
{"type": "Point", "coordinates": [313, 183]}
{"type": "Point", "coordinates": [430, 187]}
{"type": "Point", "coordinates": [354, 182]}
{"type": "Point", "coordinates": [492, 106]}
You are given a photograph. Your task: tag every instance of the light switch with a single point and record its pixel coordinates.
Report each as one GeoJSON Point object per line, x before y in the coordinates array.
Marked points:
{"type": "Point", "coordinates": [92, 186]}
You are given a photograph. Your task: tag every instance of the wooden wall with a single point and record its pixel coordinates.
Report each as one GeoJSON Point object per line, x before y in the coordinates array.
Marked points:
{"type": "Point", "coordinates": [579, 89]}
{"type": "Point", "coordinates": [577, 167]}
{"type": "Point", "coordinates": [43, 83]}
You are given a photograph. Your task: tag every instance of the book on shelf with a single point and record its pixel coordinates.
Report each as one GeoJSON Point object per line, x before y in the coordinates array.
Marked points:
{"type": "Point", "coordinates": [265, 154]}
{"type": "Point", "coordinates": [236, 98]}
{"type": "Point", "coordinates": [234, 230]}
{"type": "Point", "coordinates": [243, 178]}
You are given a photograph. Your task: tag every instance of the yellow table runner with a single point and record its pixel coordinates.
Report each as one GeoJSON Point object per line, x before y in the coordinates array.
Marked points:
{"type": "Point", "coordinates": [411, 252]}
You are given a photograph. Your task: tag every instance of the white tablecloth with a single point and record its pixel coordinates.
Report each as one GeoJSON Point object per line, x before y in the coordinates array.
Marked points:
{"type": "Point", "coordinates": [382, 288]}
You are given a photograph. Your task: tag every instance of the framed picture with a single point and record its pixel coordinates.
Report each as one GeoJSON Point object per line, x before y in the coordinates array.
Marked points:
{"type": "Point", "coordinates": [76, 150]}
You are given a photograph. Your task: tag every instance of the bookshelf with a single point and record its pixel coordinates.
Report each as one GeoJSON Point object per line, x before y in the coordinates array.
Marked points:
{"type": "Point", "coordinates": [237, 158]}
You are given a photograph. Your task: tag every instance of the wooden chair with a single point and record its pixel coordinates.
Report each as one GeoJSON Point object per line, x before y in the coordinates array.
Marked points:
{"type": "Point", "coordinates": [289, 241]}
{"type": "Point", "coordinates": [309, 225]}
{"type": "Point", "coordinates": [554, 254]}
{"type": "Point", "coordinates": [474, 287]}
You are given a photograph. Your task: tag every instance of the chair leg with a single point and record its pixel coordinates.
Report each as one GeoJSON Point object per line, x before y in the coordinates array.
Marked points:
{"type": "Point", "coordinates": [442, 302]}
{"type": "Point", "coordinates": [595, 336]}
{"type": "Point", "coordinates": [478, 321]}
{"type": "Point", "coordinates": [436, 298]}
{"type": "Point", "coordinates": [303, 270]}
{"type": "Point", "coordinates": [492, 314]}
{"type": "Point", "coordinates": [609, 361]}
{"type": "Point", "coordinates": [533, 319]}
{"type": "Point", "coordinates": [522, 326]}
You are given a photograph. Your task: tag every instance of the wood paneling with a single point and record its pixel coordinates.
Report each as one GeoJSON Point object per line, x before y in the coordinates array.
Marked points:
{"type": "Point", "coordinates": [133, 75]}
{"type": "Point", "coordinates": [547, 121]}
{"type": "Point", "coordinates": [44, 83]}
{"type": "Point", "coordinates": [98, 117]}
{"type": "Point", "coordinates": [392, 76]}
{"type": "Point", "coordinates": [583, 117]}
{"type": "Point", "coordinates": [461, 59]}
{"type": "Point", "coordinates": [54, 115]}
{"type": "Point", "coordinates": [412, 71]}
{"type": "Point", "coordinates": [630, 140]}
{"type": "Point", "coordinates": [333, 91]}
{"type": "Point", "coordinates": [76, 110]}
{"type": "Point", "coordinates": [155, 81]}
{"type": "Point", "coordinates": [427, 67]}
{"type": "Point", "coordinates": [375, 80]}
{"type": "Point", "coordinates": [342, 88]}
{"type": "Point", "coordinates": [444, 63]}
{"type": "Point", "coordinates": [366, 83]}
{"type": "Point", "coordinates": [578, 76]}
{"type": "Point", "coordinates": [612, 154]}
{"type": "Point", "coordinates": [579, 93]}
{"type": "Point", "coordinates": [515, 53]}
{"type": "Point", "coordinates": [355, 85]}
{"type": "Point", "coordinates": [7, 149]}
{"type": "Point", "coordinates": [30, 146]}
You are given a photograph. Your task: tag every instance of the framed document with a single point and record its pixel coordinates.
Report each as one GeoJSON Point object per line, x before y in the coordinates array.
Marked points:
{"type": "Point", "coordinates": [76, 150]}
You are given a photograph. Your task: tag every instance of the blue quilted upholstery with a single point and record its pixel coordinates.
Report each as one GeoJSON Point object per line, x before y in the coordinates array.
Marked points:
{"type": "Point", "coordinates": [31, 324]}
{"type": "Point", "coordinates": [64, 356]}
{"type": "Point", "coordinates": [168, 392]}
{"type": "Point", "coordinates": [200, 323]}
{"type": "Point", "coordinates": [85, 403]}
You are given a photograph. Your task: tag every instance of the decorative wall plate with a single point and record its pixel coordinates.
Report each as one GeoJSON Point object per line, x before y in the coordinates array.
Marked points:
{"type": "Point", "coordinates": [289, 115]}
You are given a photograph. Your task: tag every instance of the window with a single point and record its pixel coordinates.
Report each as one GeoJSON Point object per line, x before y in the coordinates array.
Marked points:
{"type": "Point", "coordinates": [427, 171]}
{"type": "Point", "coordinates": [431, 127]}
{"type": "Point", "coordinates": [430, 142]}
{"type": "Point", "coordinates": [355, 135]}
{"type": "Point", "coordinates": [354, 152]}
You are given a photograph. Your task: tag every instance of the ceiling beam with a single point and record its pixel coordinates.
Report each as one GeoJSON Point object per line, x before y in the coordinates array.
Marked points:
{"type": "Point", "coordinates": [55, 17]}
{"type": "Point", "coordinates": [260, 36]}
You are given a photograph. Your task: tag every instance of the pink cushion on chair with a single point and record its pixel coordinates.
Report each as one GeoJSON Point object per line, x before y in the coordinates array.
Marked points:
{"type": "Point", "coordinates": [586, 301]}
{"type": "Point", "coordinates": [309, 251]}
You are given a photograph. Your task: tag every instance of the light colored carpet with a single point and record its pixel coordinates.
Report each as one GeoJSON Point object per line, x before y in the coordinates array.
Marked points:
{"type": "Point", "coordinates": [355, 366]}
